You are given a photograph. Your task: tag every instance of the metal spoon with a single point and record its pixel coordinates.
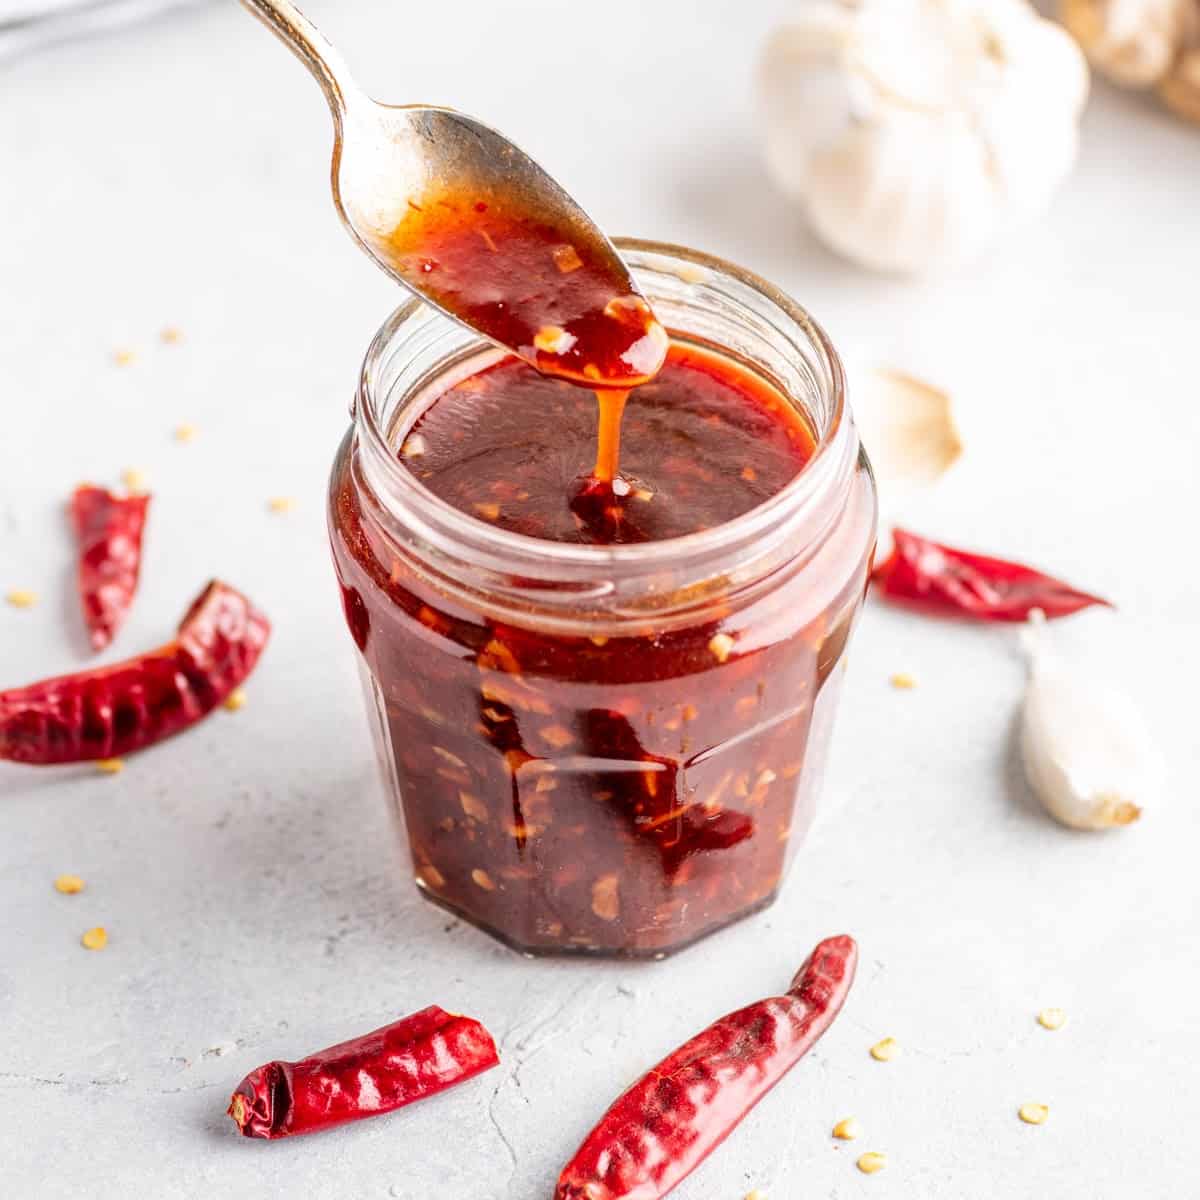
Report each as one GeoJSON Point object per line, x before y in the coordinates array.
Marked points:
{"type": "Point", "coordinates": [456, 212]}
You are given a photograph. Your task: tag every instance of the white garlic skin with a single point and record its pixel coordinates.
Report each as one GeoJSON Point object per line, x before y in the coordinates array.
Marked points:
{"type": "Point", "coordinates": [1088, 755]}
{"type": "Point", "coordinates": [907, 426]}
{"type": "Point", "coordinates": [915, 132]}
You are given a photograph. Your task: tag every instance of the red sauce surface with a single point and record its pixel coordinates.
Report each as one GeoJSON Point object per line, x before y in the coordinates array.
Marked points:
{"type": "Point", "coordinates": [703, 443]}
{"type": "Point", "coordinates": [539, 288]}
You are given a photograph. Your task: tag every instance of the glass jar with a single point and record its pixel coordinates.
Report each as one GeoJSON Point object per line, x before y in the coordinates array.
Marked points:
{"type": "Point", "coordinates": [605, 750]}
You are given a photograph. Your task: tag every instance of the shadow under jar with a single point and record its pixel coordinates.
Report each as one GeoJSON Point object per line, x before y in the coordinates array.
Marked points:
{"type": "Point", "coordinates": [605, 749]}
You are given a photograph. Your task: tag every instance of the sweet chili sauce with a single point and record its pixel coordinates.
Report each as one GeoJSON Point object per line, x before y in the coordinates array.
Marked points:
{"type": "Point", "coordinates": [599, 785]}
{"type": "Point", "coordinates": [530, 284]}
{"type": "Point", "coordinates": [703, 443]}
{"type": "Point", "coordinates": [615, 791]}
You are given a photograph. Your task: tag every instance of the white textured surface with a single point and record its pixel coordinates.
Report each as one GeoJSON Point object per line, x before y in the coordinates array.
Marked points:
{"type": "Point", "coordinates": [246, 872]}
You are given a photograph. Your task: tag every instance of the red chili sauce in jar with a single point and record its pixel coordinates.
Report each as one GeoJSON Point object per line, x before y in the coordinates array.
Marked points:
{"type": "Point", "coordinates": [617, 792]}
{"type": "Point", "coordinates": [701, 444]}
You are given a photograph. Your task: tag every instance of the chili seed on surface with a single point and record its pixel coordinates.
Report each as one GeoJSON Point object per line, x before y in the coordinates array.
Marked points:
{"type": "Point", "coordinates": [553, 339]}
{"type": "Point", "coordinates": [124, 358]}
{"type": "Point", "coordinates": [871, 1162]}
{"type": "Point", "coordinates": [847, 1129]}
{"type": "Point", "coordinates": [21, 598]}
{"type": "Point", "coordinates": [1052, 1018]}
{"type": "Point", "coordinates": [69, 885]}
{"type": "Point", "coordinates": [134, 480]}
{"type": "Point", "coordinates": [756, 1195]}
{"type": "Point", "coordinates": [1033, 1114]}
{"type": "Point", "coordinates": [473, 806]}
{"type": "Point", "coordinates": [235, 700]}
{"type": "Point", "coordinates": [902, 682]}
{"type": "Point", "coordinates": [483, 879]}
{"type": "Point", "coordinates": [557, 736]}
{"type": "Point", "coordinates": [185, 432]}
{"type": "Point", "coordinates": [885, 1050]}
{"type": "Point", "coordinates": [170, 336]}
{"type": "Point", "coordinates": [566, 258]}
{"type": "Point", "coordinates": [606, 902]}
{"type": "Point", "coordinates": [432, 876]}
{"type": "Point", "coordinates": [721, 646]}
{"type": "Point", "coordinates": [489, 510]}
{"type": "Point", "coordinates": [110, 766]}
{"type": "Point", "coordinates": [281, 504]}
{"type": "Point", "coordinates": [95, 939]}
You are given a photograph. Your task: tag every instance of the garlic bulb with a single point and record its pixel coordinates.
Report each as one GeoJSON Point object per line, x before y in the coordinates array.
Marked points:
{"type": "Point", "coordinates": [1088, 755]}
{"type": "Point", "coordinates": [1143, 44]}
{"type": "Point", "coordinates": [915, 131]}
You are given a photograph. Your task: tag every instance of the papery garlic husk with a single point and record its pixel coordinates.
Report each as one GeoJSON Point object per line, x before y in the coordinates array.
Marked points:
{"type": "Point", "coordinates": [907, 427]}
{"type": "Point", "coordinates": [916, 131]}
{"type": "Point", "coordinates": [1088, 755]}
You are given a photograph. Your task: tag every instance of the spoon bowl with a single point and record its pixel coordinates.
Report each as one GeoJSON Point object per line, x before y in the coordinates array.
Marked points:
{"type": "Point", "coordinates": [456, 212]}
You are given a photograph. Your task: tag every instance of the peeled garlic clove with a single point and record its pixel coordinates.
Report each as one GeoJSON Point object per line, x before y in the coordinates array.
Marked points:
{"type": "Point", "coordinates": [1088, 755]}
{"type": "Point", "coordinates": [907, 427]}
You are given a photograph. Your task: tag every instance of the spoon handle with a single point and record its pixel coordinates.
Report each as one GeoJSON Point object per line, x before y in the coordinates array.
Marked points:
{"type": "Point", "coordinates": [311, 47]}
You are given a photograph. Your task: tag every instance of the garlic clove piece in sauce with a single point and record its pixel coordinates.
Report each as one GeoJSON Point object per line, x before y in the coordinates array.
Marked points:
{"type": "Point", "coordinates": [1088, 755]}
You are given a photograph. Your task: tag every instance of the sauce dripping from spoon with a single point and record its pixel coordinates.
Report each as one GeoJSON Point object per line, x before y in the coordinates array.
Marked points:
{"type": "Point", "coordinates": [529, 282]}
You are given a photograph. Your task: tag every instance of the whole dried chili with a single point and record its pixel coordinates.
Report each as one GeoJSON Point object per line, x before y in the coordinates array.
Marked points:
{"type": "Point", "coordinates": [117, 710]}
{"type": "Point", "coordinates": [668, 1122]}
{"type": "Point", "coordinates": [941, 579]}
{"type": "Point", "coordinates": [380, 1072]}
{"type": "Point", "coordinates": [109, 529]}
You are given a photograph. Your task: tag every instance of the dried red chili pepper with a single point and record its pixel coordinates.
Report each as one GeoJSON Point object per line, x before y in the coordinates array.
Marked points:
{"type": "Point", "coordinates": [109, 529]}
{"type": "Point", "coordinates": [116, 710]}
{"type": "Point", "coordinates": [944, 580]}
{"type": "Point", "coordinates": [664, 1126]}
{"type": "Point", "coordinates": [378, 1073]}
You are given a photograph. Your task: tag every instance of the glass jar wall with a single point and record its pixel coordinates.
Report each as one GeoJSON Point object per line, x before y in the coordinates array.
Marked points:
{"type": "Point", "coordinates": [604, 749]}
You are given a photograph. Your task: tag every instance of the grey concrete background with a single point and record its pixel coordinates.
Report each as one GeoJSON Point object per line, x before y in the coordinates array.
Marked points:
{"type": "Point", "coordinates": [246, 872]}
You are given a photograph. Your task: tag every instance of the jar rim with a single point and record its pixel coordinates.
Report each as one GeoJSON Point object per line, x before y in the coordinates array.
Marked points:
{"type": "Point", "coordinates": [521, 553]}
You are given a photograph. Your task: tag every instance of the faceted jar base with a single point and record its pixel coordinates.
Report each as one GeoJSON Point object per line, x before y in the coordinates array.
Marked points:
{"type": "Point", "coordinates": [561, 950]}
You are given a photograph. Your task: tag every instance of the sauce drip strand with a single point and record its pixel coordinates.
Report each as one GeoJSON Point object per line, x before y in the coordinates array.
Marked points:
{"type": "Point", "coordinates": [703, 443]}
{"type": "Point", "coordinates": [608, 434]}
